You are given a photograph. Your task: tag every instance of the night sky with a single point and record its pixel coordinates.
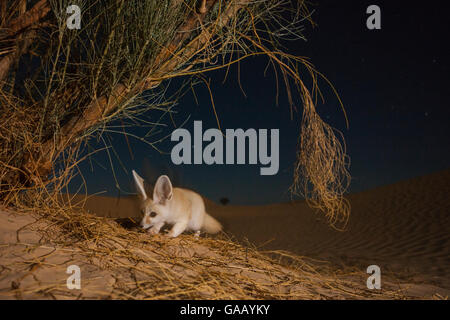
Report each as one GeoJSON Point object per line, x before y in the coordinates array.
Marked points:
{"type": "Point", "coordinates": [393, 83]}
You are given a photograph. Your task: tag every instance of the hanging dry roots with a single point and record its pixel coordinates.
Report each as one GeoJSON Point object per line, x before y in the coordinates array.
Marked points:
{"type": "Point", "coordinates": [320, 172]}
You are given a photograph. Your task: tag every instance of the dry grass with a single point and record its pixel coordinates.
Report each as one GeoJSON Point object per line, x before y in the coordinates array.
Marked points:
{"type": "Point", "coordinates": [321, 170]}
{"type": "Point", "coordinates": [135, 265]}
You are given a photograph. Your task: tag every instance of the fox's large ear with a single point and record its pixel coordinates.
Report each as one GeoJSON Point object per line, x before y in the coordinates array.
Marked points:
{"type": "Point", "coordinates": [163, 190]}
{"type": "Point", "coordinates": [140, 186]}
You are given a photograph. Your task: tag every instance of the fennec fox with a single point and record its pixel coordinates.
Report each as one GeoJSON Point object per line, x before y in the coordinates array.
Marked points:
{"type": "Point", "coordinates": [183, 208]}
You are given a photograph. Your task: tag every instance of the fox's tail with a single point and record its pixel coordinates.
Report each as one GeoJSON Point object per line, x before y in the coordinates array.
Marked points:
{"type": "Point", "coordinates": [211, 225]}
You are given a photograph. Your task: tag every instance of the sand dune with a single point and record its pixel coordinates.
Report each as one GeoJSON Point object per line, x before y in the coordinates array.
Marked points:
{"type": "Point", "coordinates": [403, 228]}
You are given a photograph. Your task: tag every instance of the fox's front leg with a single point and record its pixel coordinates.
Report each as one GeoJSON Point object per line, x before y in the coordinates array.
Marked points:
{"type": "Point", "coordinates": [155, 229]}
{"type": "Point", "coordinates": [178, 228]}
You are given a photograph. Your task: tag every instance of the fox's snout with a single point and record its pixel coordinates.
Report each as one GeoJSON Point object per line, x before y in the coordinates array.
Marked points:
{"type": "Point", "coordinates": [146, 223]}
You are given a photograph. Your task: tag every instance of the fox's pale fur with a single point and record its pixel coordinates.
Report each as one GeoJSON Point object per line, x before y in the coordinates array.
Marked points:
{"type": "Point", "coordinates": [182, 208]}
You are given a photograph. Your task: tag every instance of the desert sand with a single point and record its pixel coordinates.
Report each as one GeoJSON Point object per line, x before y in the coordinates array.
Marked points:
{"type": "Point", "coordinates": [402, 228]}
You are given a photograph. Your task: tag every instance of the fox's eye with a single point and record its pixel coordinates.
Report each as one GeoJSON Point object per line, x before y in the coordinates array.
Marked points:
{"type": "Point", "coordinates": [143, 212]}
{"type": "Point", "coordinates": [153, 214]}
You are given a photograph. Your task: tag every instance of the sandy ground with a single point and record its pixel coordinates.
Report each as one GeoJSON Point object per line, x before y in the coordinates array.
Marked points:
{"type": "Point", "coordinates": [29, 268]}
{"type": "Point", "coordinates": [402, 228]}
{"type": "Point", "coordinates": [119, 263]}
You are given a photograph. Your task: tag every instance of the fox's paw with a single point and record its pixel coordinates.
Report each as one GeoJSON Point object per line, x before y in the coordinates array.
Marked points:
{"type": "Point", "coordinates": [171, 234]}
{"type": "Point", "coordinates": [153, 230]}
